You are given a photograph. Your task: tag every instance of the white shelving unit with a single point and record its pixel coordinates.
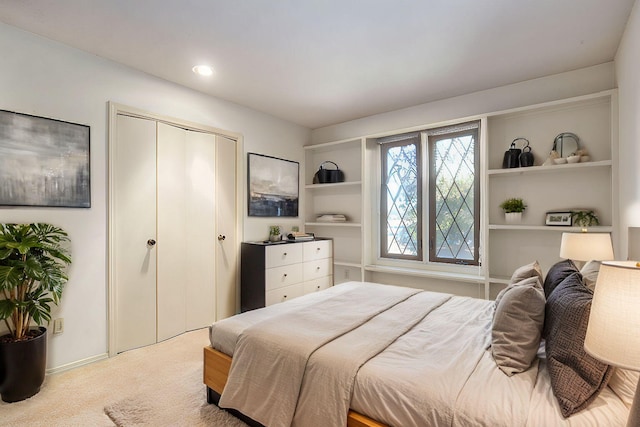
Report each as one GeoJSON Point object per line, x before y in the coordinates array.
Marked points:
{"type": "Point", "coordinates": [563, 187]}
{"type": "Point", "coordinates": [338, 198]}
{"type": "Point", "coordinates": [589, 185]}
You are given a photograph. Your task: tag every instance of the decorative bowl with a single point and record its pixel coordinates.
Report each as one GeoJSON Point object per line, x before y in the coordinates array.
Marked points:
{"type": "Point", "coordinates": [584, 159]}
{"type": "Point", "coordinates": [573, 159]}
{"type": "Point", "coordinates": [560, 160]}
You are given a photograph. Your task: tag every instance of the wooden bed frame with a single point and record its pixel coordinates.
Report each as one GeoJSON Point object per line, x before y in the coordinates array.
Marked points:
{"type": "Point", "coordinates": [216, 372]}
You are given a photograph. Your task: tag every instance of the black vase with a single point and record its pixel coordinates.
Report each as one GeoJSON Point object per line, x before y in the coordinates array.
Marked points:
{"type": "Point", "coordinates": [22, 367]}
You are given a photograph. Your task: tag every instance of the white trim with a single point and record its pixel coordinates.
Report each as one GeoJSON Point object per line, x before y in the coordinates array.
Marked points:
{"type": "Point", "coordinates": [77, 364]}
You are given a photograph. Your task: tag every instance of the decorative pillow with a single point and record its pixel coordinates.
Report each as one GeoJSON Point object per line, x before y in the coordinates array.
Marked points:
{"type": "Point", "coordinates": [526, 271]}
{"type": "Point", "coordinates": [517, 326]}
{"type": "Point", "coordinates": [556, 274]}
{"type": "Point", "coordinates": [576, 377]}
{"type": "Point", "coordinates": [522, 273]}
{"type": "Point", "coordinates": [623, 382]}
{"type": "Point", "coordinates": [590, 273]}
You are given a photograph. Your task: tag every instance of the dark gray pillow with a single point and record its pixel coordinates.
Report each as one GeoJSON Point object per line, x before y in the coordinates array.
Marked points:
{"type": "Point", "coordinates": [576, 377]}
{"type": "Point", "coordinates": [557, 273]}
{"type": "Point", "coordinates": [517, 326]}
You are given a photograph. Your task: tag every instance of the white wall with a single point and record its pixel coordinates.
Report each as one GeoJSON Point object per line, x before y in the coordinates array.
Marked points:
{"type": "Point", "coordinates": [44, 78]}
{"type": "Point", "coordinates": [628, 77]}
{"type": "Point", "coordinates": [558, 86]}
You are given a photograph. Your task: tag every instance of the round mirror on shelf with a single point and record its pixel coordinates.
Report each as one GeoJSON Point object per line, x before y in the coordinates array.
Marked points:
{"type": "Point", "coordinates": [566, 144]}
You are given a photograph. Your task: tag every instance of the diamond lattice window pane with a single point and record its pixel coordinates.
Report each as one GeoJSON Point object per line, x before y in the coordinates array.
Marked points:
{"type": "Point", "coordinates": [402, 200]}
{"type": "Point", "coordinates": [454, 197]}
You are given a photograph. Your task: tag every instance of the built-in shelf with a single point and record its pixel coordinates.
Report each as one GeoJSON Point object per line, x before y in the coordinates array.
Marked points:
{"type": "Point", "coordinates": [448, 275]}
{"type": "Point", "coordinates": [597, 229]}
{"type": "Point", "coordinates": [347, 264]}
{"type": "Point", "coordinates": [551, 168]}
{"type": "Point", "coordinates": [333, 185]}
{"type": "Point", "coordinates": [333, 224]}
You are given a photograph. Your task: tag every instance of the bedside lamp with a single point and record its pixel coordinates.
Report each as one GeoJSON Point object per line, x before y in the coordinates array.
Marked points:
{"type": "Point", "coordinates": [614, 321]}
{"type": "Point", "coordinates": [586, 246]}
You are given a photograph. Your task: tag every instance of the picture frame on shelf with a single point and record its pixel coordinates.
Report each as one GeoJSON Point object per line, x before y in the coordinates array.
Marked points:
{"type": "Point", "coordinates": [560, 218]}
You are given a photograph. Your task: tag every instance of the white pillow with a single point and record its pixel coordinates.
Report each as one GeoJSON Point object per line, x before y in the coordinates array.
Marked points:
{"type": "Point", "coordinates": [623, 382]}
{"type": "Point", "coordinates": [590, 274]}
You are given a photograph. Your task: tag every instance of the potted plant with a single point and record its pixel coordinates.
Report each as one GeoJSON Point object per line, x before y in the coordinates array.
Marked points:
{"type": "Point", "coordinates": [513, 209]}
{"type": "Point", "coordinates": [33, 263]}
{"type": "Point", "coordinates": [274, 233]}
{"type": "Point", "coordinates": [585, 218]}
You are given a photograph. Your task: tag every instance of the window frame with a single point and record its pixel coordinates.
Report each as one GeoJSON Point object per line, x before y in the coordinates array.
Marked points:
{"type": "Point", "coordinates": [431, 143]}
{"type": "Point", "coordinates": [384, 148]}
{"type": "Point", "coordinates": [426, 193]}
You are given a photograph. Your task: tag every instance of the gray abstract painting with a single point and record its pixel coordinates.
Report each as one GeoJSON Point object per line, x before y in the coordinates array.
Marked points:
{"type": "Point", "coordinates": [43, 162]}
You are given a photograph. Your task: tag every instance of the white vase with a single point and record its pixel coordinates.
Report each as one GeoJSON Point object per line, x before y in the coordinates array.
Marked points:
{"type": "Point", "coordinates": [513, 217]}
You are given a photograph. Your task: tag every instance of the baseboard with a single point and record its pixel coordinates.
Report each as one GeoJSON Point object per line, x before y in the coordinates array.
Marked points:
{"type": "Point", "coordinates": [77, 364]}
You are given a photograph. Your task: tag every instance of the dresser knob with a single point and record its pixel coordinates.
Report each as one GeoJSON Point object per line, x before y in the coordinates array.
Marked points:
{"type": "Point", "coordinates": [318, 287]}
{"type": "Point", "coordinates": [285, 274]}
{"type": "Point", "coordinates": [317, 268]}
{"type": "Point", "coordinates": [284, 254]}
{"type": "Point", "coordinates": [285, 297]}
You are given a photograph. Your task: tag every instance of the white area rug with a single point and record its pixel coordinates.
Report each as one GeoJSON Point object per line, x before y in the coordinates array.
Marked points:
{"type": "Point", "coordinates": [159, 385]}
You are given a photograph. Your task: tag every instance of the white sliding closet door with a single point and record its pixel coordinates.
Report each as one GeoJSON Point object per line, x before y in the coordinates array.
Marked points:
{"type": "Point", "coordinates": [134, 223]}
{"type": "Point", "coordinates": [175, 219]}
{"type": "Point", "coordinates": [226, 217]}
{"type": "Point", "coordinates": [172, 225]}
{"type": "Point", "coordinates": [200, 230]}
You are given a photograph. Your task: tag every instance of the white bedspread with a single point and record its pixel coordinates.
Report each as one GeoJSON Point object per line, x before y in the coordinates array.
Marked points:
{"type": "Point", "coordinates": [424, 361]}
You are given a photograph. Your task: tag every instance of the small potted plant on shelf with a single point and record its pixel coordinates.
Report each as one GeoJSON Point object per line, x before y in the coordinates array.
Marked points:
{"type": "Point", "coordinates": [513, 209]}
{"type": "Point", "coordinates": [33, 263]}
{"type": "Point", "coordinates": [585, 218]}
{"type": "Point", "coordinates": [274, 233]}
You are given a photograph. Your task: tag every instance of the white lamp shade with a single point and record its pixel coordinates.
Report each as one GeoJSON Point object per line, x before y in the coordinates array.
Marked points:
{"type": "Point", "coordinates": [586, 246]}
{"type": "Point", "coordinates": [613, 333]}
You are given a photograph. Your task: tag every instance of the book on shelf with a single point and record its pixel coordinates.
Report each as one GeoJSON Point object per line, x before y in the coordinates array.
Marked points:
{"type": "Point", "coordinates": [331, 218]}
{"type": "Point", "coordinates": [299, 236]}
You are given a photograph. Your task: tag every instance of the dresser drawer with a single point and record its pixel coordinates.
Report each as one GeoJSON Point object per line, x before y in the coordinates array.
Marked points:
{"type": "Point", "coordinates": [283, 276]}
{"type": "Point", "coordinates": [284, 294]}
{"type": "Point", "coordinates": [318, 284]}
{"type": "Point", "coordinates": [317, 250]}
{"type": "Point", "coordinates": [317, 269]}
{"type": "Point", "coordinates": [282, 254]}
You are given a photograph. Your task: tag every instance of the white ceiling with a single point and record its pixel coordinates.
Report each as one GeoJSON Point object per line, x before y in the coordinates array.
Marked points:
{"type": "Point", "coordinates": [321, 62]}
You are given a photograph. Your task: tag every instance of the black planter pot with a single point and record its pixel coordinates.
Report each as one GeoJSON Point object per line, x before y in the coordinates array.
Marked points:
{"type": "Point", "coordinates": [22, 367]}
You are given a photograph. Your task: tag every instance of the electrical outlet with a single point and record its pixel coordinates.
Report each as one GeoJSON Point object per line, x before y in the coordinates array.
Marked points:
{"type": "Point", "coordinates": [58, 325]}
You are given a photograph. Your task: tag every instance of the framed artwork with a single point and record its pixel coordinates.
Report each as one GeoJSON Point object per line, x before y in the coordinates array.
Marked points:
{"type": "Point", "coordinates": [559, 218]}
{"type": "Point", "coordinates": [273, 186]}
{"type": "Point", "coordinates": [43, 162]}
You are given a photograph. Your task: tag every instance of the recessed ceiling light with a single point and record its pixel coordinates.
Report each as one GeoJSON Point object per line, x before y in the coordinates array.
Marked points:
{"type": "Point", "coordinates": [203, 70]}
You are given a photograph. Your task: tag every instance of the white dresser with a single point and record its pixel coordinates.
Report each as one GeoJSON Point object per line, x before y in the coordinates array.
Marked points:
{"type": "Point", "coordinates": [275, 272]}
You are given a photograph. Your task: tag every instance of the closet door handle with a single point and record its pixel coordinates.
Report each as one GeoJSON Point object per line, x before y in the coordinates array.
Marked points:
{"type": "Point", "coordinates": [221, 237]}
{"type": "Point", "coordinates": [151, 242]}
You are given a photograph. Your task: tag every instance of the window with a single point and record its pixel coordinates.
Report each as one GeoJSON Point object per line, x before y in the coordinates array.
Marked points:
{"type": "Point", "coordinates": [452, 191]}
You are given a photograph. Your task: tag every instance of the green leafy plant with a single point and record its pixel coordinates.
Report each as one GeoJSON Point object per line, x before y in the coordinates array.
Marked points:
{"type": "Point", "coordinates": [33, 263]}
{"type": "Point", "coordinates": [274, 230]}
{"type": "Point", "coordinates": [585, 218]}
{"type": "Point", "coordinates": [513, 205]}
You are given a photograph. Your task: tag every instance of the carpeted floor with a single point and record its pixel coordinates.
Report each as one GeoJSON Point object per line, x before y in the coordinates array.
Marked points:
{"type": "Point", "coordinates": [159, 385]}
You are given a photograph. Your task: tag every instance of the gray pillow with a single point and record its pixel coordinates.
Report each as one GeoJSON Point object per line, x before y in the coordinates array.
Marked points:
{"type": "Point", "coordinates": [517, 326]}
{"type": "Point", "coordinates": [526, 271]}
{"type": "Point", "coordinates": [556, 274]}
{"type": "Point", "coordinates": [576, 377]}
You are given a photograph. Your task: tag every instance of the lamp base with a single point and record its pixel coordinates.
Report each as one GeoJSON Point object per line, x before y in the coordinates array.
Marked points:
{"type": "Point", "coordinates": [634, 413]}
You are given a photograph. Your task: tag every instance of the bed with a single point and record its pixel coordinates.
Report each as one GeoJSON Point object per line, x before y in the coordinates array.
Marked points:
{"type": "Point", "coordinates": [366, 354]}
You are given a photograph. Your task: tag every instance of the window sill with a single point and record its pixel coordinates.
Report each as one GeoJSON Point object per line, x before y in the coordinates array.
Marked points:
{"type": "Point", "coordinates": [416, 272]}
